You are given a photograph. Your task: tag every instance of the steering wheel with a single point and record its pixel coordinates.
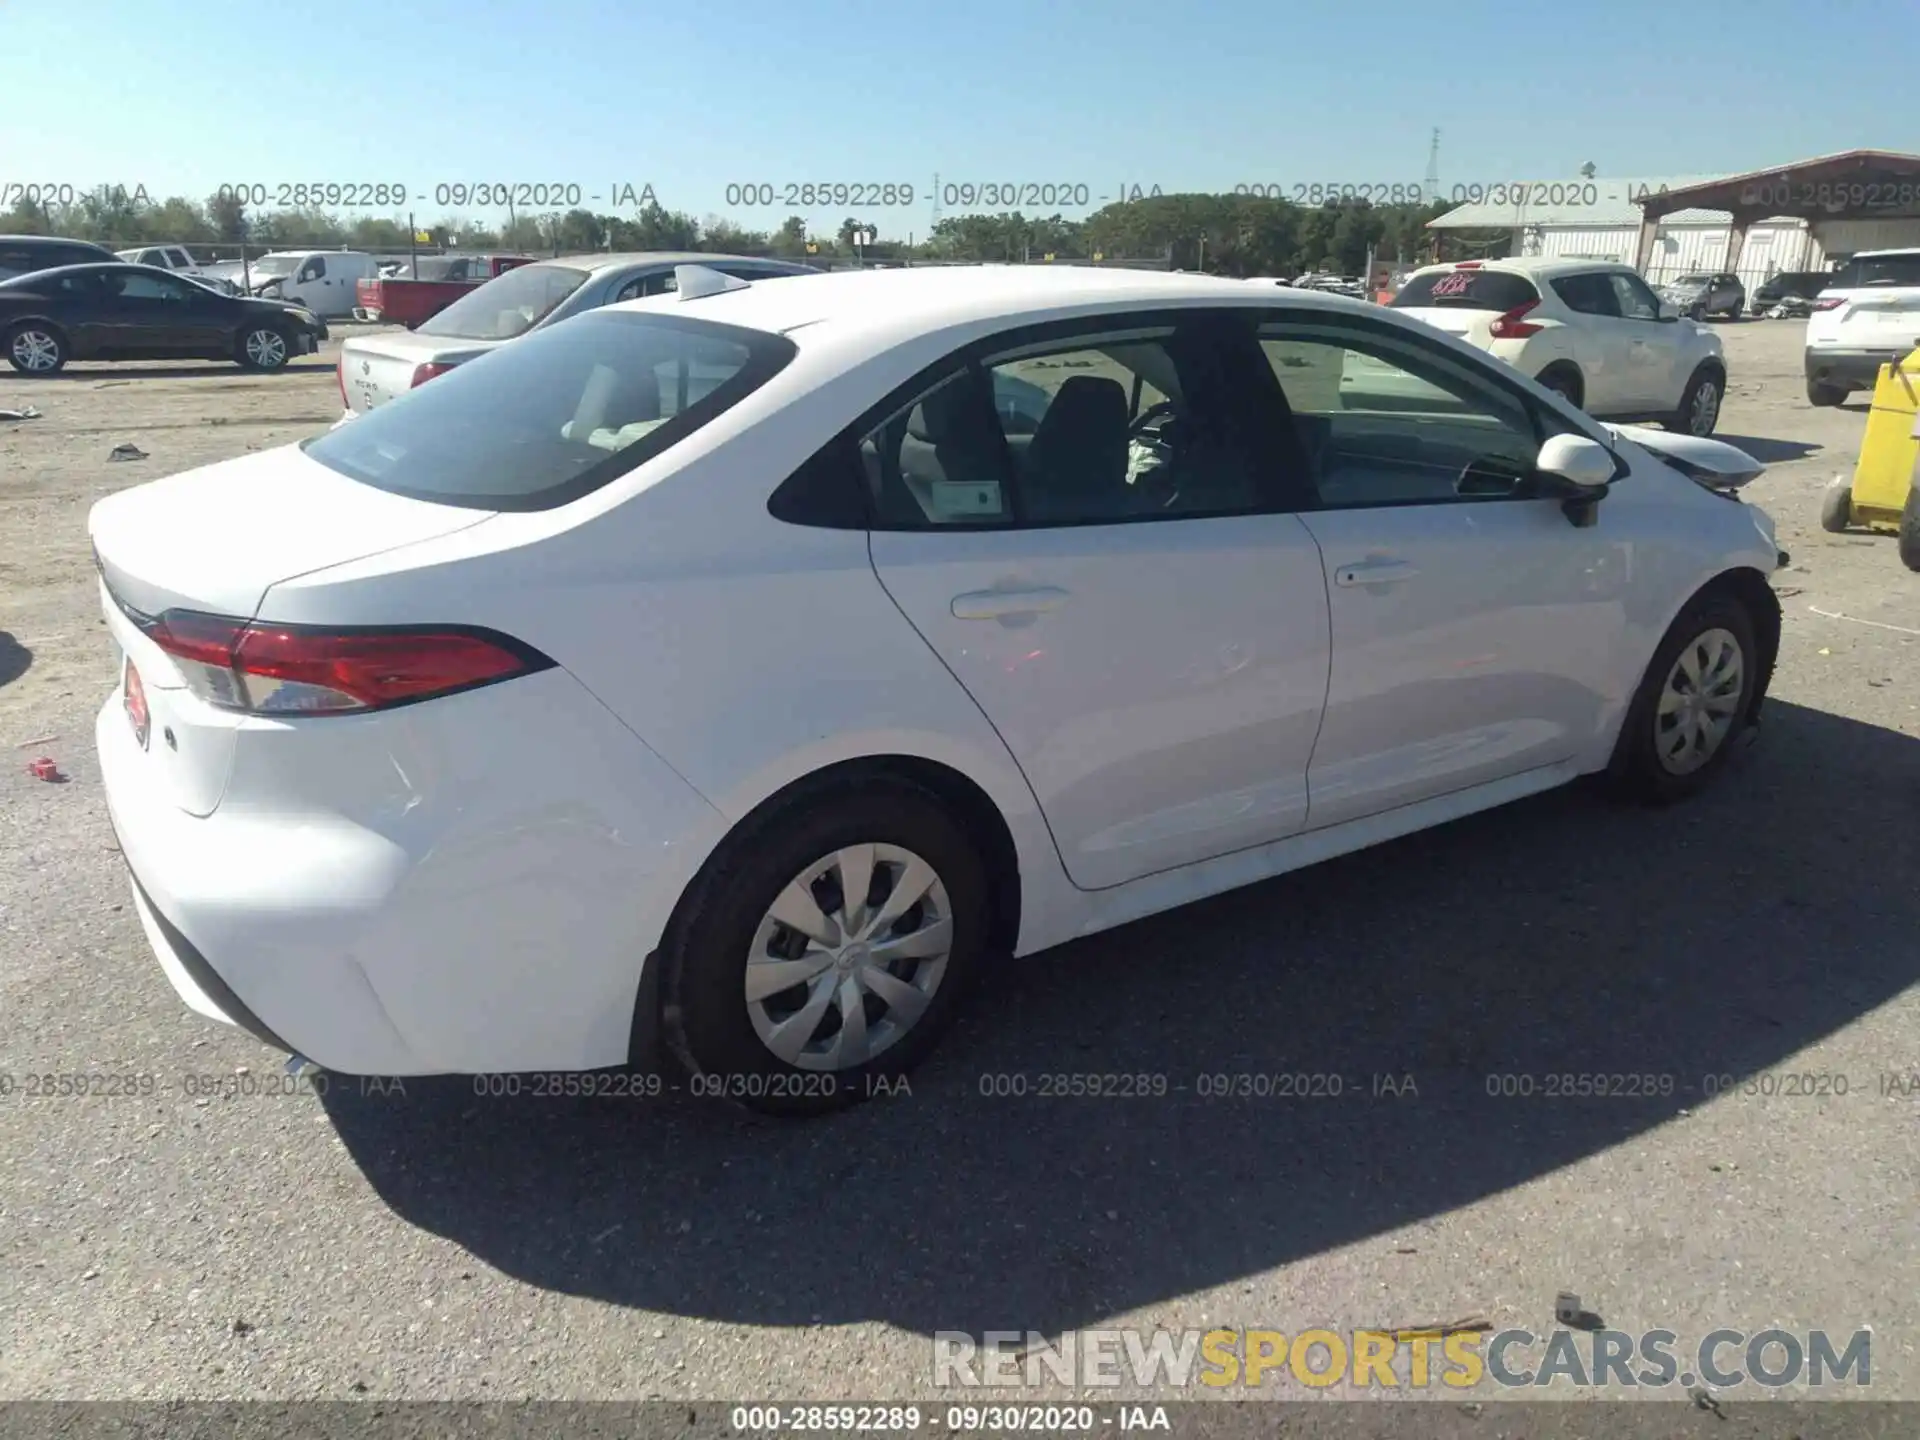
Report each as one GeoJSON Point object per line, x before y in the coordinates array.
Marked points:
{"type": "Point", "coordinates": [1152, 418]}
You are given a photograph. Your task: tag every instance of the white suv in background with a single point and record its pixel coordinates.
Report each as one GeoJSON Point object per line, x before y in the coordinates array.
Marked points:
{"type": "Point", "coordinates": [1591, 330]}
{"type": "Point", "coordinates": [1866, 317]}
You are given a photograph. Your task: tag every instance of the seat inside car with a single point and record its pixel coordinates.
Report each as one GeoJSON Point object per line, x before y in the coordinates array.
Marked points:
{"type": "Point", "coordinates": [1076, 463]}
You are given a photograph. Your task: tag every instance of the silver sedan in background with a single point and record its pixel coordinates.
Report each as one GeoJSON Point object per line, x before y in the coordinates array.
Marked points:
{"type": "Point", "coordinates": [375, 368]}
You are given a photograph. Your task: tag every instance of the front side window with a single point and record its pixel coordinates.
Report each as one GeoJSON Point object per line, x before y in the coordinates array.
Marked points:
{"type": "Point", "coordinates": [537, 424]}
{"type": "Point", "coordinates": [1635, 300]}
{"type": "Point", "coordinates": [1386, 421]}
{"type": "Point", "coordinates": [314, 269]}
{"type": "Point", "coordinates": [510, 304]}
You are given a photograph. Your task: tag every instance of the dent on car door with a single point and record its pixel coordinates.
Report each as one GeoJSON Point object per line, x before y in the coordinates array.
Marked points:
{"type": "Point", "coordinates": [1473, 627]}
{"type": "Point", "coordinates": [1114, 582]}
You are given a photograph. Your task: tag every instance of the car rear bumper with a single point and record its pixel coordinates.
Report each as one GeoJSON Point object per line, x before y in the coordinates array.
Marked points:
{"type": "Point", "coordinates": [455, 901]}
{"type": "Point", "coordinates": [1857, 368]}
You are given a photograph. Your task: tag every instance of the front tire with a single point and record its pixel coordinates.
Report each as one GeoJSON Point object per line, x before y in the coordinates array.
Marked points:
{"type": "Point", "coordinates": [1836, 506]}
{"type": "Point", "coordinates": [1699, 410]}
{"type": "Point", "coordinates": [35, 349]}
{"type": "Point", "coordinates": [263, 347]}
{"type": "Point", "coordinates": [1825, 396]}
{"type": "Point", "coordinates": [1695, 697]}
{"type": "Point", "coordinates": [825, 948]}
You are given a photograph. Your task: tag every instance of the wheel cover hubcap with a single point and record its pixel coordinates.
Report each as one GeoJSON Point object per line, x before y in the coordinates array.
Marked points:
{"type": "Point", "coordinates": [1699, 702]}
{"type": "Point", "coordinates": [35, 350]}
{"type": "Point", "coordinates": [265, 347]}
{"type": "Point", "coordinates": [1706, 408]}
{"type": "Point", "coordinates": [848, 957]}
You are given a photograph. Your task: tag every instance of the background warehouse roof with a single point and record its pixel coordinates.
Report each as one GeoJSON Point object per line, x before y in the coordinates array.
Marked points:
{"type": "Point", "coordinates": [1614, 205]}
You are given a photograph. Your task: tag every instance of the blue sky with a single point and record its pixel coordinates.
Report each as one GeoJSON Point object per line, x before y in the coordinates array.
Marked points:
{"type": "Point", "coordinates": [689, 97]}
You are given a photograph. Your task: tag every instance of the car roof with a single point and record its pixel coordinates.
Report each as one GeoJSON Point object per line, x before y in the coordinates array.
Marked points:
{"type": "Point", "coordinates": [596, 260]}
{"type": "Point", "coordinates": [889, 306]}
{"type": "Point", "coordinates": [1538, 265]}
{"type": "Point", "coordinates": [51, 240]}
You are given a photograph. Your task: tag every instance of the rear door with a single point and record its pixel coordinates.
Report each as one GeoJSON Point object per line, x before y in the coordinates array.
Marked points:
{"type": "Point", "coordinates": [1116, 581]}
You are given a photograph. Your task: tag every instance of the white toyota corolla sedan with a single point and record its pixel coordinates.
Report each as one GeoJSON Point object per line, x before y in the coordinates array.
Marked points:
{"type": "Point", "coordinates": [738, 668]}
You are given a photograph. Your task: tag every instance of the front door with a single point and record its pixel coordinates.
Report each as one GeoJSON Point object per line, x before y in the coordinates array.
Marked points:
{"type": "Point", "coordinates": [1473, 626]}
{"type": "Point", "coordinates": [1104, 569]}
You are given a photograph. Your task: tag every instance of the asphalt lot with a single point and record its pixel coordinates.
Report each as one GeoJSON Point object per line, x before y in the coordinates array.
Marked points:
{"type": "Point", "coordinates": [432, 1244]}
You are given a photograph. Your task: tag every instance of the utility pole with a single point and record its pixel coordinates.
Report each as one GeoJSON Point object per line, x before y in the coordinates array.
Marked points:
{"type": "Point", "coordinates": [1433, 167]}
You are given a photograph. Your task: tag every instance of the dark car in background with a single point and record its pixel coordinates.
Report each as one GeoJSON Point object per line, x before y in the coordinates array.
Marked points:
{"type": "Point", "coordinates": [1795, 288]}
{"type": "Point", "coordinates": [137, 312]}
{"type": "Point", "coordinates": [380, 367]}
{"type": "Point", "coordinates": [24, 254]}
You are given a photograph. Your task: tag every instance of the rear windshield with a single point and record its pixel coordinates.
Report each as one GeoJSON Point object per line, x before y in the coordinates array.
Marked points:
{"type": "Point", "coordinates": [1465, 290]}
{"type": "Point", "coordinates": [1869, 271]}
{"type": "Point", "coordinates": [542, 422]}
{"type": "Point", "coordinates": [507, 305]}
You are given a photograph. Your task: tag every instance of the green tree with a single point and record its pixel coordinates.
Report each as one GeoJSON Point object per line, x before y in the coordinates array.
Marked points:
{"type": "Point", "coordinates": [791, 238]}
{"type": "Point", "coordinates": [228, 215]}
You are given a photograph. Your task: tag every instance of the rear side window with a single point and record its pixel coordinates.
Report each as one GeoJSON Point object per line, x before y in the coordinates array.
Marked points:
{"type": "Point", "coordinates": [540, 423]}
{"type": "Point", "coordinates": [1865, 272]}
{"type": "Point", "coordinates": [507, 305]}
{"type": "Point", "coordinates": [1466, 290]}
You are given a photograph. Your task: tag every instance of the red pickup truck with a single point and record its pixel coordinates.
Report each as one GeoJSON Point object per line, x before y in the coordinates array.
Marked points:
{"type": "Point", "coordinates": [401, 299]}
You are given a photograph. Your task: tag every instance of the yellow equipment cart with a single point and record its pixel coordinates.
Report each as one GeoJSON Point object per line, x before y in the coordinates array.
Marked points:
{"type": "Point", "coordinates": [1884, 494]}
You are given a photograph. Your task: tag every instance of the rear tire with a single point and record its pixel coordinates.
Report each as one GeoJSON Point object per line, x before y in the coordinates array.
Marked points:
{"type": "Point", "coordinates": [1825, 396]}
{"type": "Point", "coordinates": [1692, 704]}
{"type": "Point", "coordinates": [263, 347]}
{"type": "Point", "coordinates": [874, 1015]}
{"type": "Point", "coordinates": [1699, 410]}
{"type": "Point", "coordinates": [1836, 506]}
{"type": "Point", "coordinates": [1910, 525]}
{"type": "Point", "coordinates": [35, 349]}
{"type": "Point", "coordinates": [1564, 381]}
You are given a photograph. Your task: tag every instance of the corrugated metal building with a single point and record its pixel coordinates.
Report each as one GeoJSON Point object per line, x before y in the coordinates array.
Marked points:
{"type": "Point", "coordinates": [1608, 228]}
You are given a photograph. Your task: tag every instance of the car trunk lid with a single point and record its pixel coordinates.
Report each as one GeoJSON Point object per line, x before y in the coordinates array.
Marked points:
{"type": "Point", "coordinates": [214, 541]}
{"type": "Point", "coordinates": [377, 368]}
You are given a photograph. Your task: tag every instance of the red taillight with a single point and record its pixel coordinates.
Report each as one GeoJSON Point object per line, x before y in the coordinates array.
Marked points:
{"type": "Point", "coordinates": [1833, 304]}
{"type": "Point", "coordinates": [1469, 265]}
{"type": "Point", "coordinates": [424, 373]}
{"type": "Point", "coordinates": [1513, 325]}
{"type": "Point", "coordinates": [298, 669]}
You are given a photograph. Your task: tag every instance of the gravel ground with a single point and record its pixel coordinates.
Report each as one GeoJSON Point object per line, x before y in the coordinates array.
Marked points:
{"type": "Point", "coordinates": [435, 1245]}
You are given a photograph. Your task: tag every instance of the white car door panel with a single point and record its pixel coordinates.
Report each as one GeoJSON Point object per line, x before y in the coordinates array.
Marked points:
{"type": "Point", "coordinates": [1159, 684]}
{"type": "Point", "coordinates": [1474, 630]}
{"type": "Point", "coordinates": [1144, 631]}
{"type": "Point", "coordinates": [1470, 641]}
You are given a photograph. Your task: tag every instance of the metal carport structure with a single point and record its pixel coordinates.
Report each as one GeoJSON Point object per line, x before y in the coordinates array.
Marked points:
{"type": "Point", "coordinates": [1879, 185]}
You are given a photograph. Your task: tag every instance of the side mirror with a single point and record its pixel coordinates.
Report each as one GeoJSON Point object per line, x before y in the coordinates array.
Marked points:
{"type": "Point", "coordinates": [1576, 471]}
{"type": "Point", "coordinates": [1668, 312]}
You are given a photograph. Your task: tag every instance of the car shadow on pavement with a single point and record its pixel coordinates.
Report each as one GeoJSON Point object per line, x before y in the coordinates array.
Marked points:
{"type": "Point", "coordinates": [1563, 936]}
{"type": "Point", "coordinates": [1771, 452]}
{"type": "Point", "coordinates": [15, 659]}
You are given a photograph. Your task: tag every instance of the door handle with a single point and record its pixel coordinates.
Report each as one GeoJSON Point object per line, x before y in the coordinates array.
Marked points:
{"type": "Point", "coordinates": [1375, 572]}
{"type": "Point", "coordinates": [998, 604]}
